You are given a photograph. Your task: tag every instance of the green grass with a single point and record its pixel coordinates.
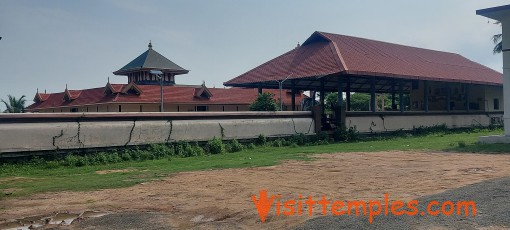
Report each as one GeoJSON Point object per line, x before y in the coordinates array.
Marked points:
{"type": "Point", "coordinates": [22, 180]}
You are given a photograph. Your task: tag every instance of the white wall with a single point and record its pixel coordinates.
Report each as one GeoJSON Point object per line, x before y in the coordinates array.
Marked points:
{"type": "Point", "coordinates": [386, 123]}
{"type": "Point", "coordinates": [38, 136]}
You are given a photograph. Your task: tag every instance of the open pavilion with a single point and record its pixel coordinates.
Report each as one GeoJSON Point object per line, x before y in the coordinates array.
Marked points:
{"type": "Point", "coordinates": [440, 87]}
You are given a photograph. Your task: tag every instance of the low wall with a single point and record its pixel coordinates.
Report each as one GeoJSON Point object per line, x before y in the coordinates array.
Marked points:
{"type": "Point", "coordinates": [391, 121]}
{"type": "Point", "coordinates": [42, 132]}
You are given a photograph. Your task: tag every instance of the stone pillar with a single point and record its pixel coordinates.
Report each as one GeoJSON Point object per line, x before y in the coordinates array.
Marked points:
{"type": "Point", "coordinates": [506, 74]}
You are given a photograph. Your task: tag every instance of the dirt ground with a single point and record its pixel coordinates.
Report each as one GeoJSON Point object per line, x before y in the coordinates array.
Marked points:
{"type": "Point", "coordinates": [216, 198]}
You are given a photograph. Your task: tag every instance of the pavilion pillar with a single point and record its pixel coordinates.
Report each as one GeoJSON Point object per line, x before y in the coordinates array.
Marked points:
{"type": "Point", "coordinates": [466, 94]}
{"type": "Point", "coordinates": [426, 95]}
{"type": "Point", "coordinates": [322, 96]}
{"type": "Point", "coordinates": [260, 88]}
{"type": "Point", "coordinates": [448, 97]}
{"type": "Point", "coordinates": [401, 95]}
{"type": "Point", "coordinates": [393, 103]}
{"type": "Point", "coordinates": [293, 94]}
{"type": "Point", "coordinates": [348, 94]}
{"type": "Point", "coordinates": [339, 118]}
{"type": "Point", "coordinates": [372, 95]}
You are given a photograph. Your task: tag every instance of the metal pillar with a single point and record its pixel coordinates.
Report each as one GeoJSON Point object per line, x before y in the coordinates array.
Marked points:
{"type": "Point", "coordinates": [401, 95]}
{"type": "Point", "coordinates": [448, 97]}
{"type": "Point", "coordinates": [348, 94]}
{"type": "Point", "coordinates": [426, 95]}
{"type": "Point", "coordinates": [372, 94]}
{"type": "Point", "coordinates": [393, 101]}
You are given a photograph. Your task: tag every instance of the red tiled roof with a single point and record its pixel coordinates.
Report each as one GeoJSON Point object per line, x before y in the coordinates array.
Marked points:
{"type": "Point", "coordinates": [176, 94]}
{"type": "Point", "coordinates": [326, 53]}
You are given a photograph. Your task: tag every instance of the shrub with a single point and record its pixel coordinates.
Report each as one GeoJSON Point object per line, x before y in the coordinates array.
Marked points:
{"type": "Point", "coordinates": [277, 143]}
{"type": "Point", "coordinates": [250, 146]}
{"type": "Point", "coordinates": [234, 146]}
{"type": "Point", "coordinates": [322, 136]}
{"type": "Point", "coordinates": [215, 146]}
{"type": "Point", "coordinates": [125, 156]}
{"type": "Point", "coordinates": [344, 134]}
{"type": "Point", "coordinates": [294, 145]}
{"type": "Point", "coordinates": [161, 150]}
{"type": "Point", "coordinates": [197, 150]}
{"type": "Point", "coordinates": [299, 139]}
{"type": "Point", "coordinates": [462, 144]}
{"type": "Point", "coordinates": [261, 140]}
{"type": "Point", "coordinates": [71, 160]}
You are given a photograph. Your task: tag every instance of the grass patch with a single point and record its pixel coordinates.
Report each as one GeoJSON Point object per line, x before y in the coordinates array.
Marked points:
{"type": "Point", "coordinates": [26, 179]}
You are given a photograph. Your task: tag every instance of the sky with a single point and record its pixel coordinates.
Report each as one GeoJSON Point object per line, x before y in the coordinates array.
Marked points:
{"type": "Point", "coordinates": [48, 44]}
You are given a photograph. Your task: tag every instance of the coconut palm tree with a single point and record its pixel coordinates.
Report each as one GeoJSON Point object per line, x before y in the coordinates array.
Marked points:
{"type": "Point", "coordinates": [15, 105]}
{"type": "Point", "coordinates": [498, 42]}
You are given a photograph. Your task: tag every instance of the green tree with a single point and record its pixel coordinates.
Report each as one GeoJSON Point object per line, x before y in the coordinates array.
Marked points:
{"type": "Point", "coordinates": [14, 105]}
{"type": "Point", "coordinates": [498, 42]}
{"type": "Point", "coordinates": [360, 102]}
{"type": "Point", "coordinates": [264, 102]}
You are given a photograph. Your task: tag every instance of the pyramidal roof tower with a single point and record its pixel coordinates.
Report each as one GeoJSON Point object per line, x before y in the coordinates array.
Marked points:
{"type": "Point", "coordinates": [138, 70]}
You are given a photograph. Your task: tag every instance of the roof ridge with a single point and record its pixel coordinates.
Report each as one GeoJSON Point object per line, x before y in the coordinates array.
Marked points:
{"type": "Point", "coordinates": [390, 43]}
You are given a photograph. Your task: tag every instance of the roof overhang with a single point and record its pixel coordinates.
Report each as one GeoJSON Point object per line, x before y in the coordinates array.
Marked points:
{"type": "Point", "coordinates": [171, 71]}
{"type": "Point", "coordinates": [497, 13]}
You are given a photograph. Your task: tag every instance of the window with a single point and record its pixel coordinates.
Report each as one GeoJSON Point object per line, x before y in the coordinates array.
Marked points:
{"type": "Point", "coordinates": [496, 104]}
{"type": "Point", "coordinates": [120, 108]}
{"type": "Point", "coordinates": [201, 108]}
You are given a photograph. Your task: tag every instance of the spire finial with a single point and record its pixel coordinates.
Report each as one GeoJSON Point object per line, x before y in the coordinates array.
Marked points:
{"type": "Point", "coordinates": [298, 45]}
{"type": "Point", "coordinates": [44, 91]}
{"type": "Point", "coordinates": [108, 79]}
{"type": "Point", "coordinates": [66, 86]}
{"type": "Point", "coordinates": [150, 44]}
{"type": "Point", "coordinates": [37, 90]}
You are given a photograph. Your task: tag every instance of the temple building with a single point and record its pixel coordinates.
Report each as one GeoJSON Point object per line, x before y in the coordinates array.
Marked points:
{"type": "Point", "coordinates": [142, 92]}
{"type": "Point", "coordinates": [426, 87]}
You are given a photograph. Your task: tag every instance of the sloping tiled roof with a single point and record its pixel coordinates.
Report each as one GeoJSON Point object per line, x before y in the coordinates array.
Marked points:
{"type": "Point", "coordinates": [325, 53]}
{"type": "Point", "coordinates": [176, 94]}
{"type": "Point", "coordinates": [151, 59]}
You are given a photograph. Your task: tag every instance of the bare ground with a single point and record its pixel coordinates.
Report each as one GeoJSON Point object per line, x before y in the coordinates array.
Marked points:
{"type": "Point", "coordinates": [222, 198]}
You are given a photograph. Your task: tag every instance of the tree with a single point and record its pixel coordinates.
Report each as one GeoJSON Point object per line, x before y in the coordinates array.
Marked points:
{"type": "Point", "coordinates": [360, 102]}
{"type": "Point", "coordinates": [498, 42]}
{"type": "Point", "coordinates": [14, 105]}
{"type": "Point", "coordinates": [264, 102]}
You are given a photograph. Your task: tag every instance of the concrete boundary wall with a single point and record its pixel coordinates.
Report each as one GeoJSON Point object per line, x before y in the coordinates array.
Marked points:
{"type": "Point", "coordinates": [366, 123]}
{"type": "Point", "coordinates": [43, 132]}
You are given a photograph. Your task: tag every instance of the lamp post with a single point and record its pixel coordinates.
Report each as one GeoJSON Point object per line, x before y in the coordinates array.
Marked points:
{"type": "Point", "coordinates": [280, 86]}
{"type": "Point", "coordinates": [158, 74]}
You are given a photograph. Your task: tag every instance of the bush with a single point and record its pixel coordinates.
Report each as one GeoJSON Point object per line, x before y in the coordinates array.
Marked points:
{"type": "Point", "coordinates": [261, 140]}
{"type": "Point", "coordinates": [321, 136]}
{"type": "Point", "coordinates": [197, 150]}
{"type": "Point", "coordinates": [234, 146]}
{"type": "Point", "coordinates": [161, 150]}
{"type": "Point", "coordinates": [462, 144]}
{"type": "Point", "coordinates": [299, 139]}
{"type": "Point", "coordinates": [346, 135]}
{"type": "Point", "coordinates": [125, 156]}
{"type": "Point", "coordinates": [277, 143]}
{"type": "Point", "coordinates": [215, 146]}
{"type": "Point", "coordinates": [250, 146]}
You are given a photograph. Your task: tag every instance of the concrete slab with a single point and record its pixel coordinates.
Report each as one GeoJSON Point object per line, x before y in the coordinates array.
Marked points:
{"type": "Point", "coordinates": [495, 139]}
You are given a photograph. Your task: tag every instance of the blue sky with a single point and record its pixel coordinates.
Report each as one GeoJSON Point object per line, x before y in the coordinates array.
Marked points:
{"type": "Point", "coordinates": [48, 44]}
